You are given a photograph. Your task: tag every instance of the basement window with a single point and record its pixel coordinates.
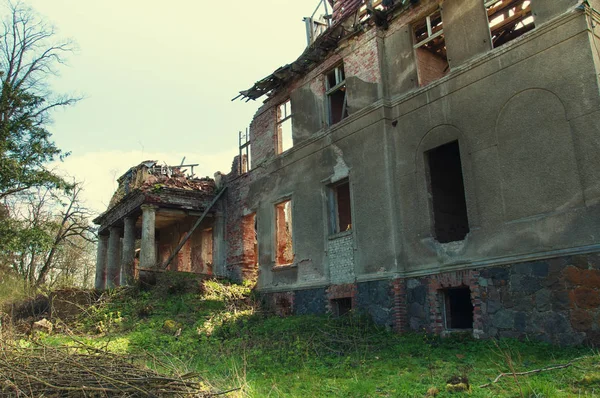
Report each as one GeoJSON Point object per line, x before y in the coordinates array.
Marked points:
{"type": "Point", "coordinates": [341, 306]}
{"type": "Point", "coordinates": [340, 208]}
{"type": "Point", "coordinates": [458, 308]}
{"type": "Point", "coordinates": [335, 84]}
{"type": "Point", "coordinates": [447, 193]}
{"type": "Point", "coordinates": [430, 48]}
{"type": "Point", "coordinates": [283, 233]}
{"type": "Point", "coordinates": [284, 127]}
{"type": "Point", "coordinates": [508, 19]}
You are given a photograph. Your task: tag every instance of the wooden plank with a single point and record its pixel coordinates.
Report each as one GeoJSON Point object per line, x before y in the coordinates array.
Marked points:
{"type": "Point", "coordinates": [191, 231]}
{"type": "Point", "coordinates": [509, 22]}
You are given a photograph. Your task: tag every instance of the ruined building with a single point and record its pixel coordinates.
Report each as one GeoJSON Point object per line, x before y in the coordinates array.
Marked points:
{"type": "Point", "coordinates": [431, 163]}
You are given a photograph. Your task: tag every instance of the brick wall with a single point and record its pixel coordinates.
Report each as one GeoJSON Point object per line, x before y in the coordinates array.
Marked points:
{"type": "Point", "coordinates": [334, 292]}
{"type": "Point", "coordinates": [364, 61]}
{"type": "Point", "coordinates": [340, 259]}
{"type": "Point", "coordinates": [555, 300]}
{"type": "Point", "coordinates": [430, 66]}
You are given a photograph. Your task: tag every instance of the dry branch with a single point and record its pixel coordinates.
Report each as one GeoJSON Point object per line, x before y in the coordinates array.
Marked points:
{"type": "Point", "coordinates": [529, 372]}
{"type": "Point", "coordinates": [72, 372]}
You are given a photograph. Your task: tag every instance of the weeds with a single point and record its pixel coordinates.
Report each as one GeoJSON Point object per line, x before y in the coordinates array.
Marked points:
{"type": "Point", "coordinates": [218, 332]}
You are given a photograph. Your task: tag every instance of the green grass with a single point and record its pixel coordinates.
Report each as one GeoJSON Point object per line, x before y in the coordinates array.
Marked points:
{"type": "Point", "coordinates": [220, 334]}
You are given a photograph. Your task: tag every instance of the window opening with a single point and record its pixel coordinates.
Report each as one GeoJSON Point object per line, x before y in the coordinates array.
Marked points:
{"type": "Point", "coordinates": [508, 19]}
{"type": "Point", "coordinates": [335, 83]}
{"type": "Point", "coordinates": [458, 308]}
{"type": "Point", "coordinates": [341, 306]}
{"type": "Point", "coordinates": [206, 251]}
{"type": "Point", "coordinates": [430, 48]}
{"type": "Point", "coordinates": [284, 127]}
{"type": "Point", "coordinates": [340, 207]}
{"type": "Point", "coordinates": [283, 232]}
{"type": "Point", "coordinates": [245, 151]}
{"type": "Point", "coordinates": [250, 237]}
{"type": "Point", "coordinates": [447, 192]}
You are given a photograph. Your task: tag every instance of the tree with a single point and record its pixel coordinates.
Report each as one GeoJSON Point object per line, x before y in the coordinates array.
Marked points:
{"type": "Point", "coordinates": [29, 55]}
{"type": "Point", "coordinates": [50, 235]}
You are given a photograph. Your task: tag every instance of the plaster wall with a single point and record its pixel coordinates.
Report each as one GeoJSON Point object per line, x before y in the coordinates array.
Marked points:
{"type": "Point", "coordinates": [522, 115]}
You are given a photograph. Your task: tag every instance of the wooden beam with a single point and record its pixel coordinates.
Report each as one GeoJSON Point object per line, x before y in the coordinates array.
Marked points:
{"type": "Point", "coordinates": [191, 231]}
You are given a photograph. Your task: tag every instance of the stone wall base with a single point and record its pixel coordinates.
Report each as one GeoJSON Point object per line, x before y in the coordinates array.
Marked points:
{"type": "Point", "coordinates": [555, 300]}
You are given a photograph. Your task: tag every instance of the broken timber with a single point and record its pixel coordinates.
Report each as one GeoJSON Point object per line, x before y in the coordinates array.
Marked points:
{"type": "Point", "coordinates": [191, 231]}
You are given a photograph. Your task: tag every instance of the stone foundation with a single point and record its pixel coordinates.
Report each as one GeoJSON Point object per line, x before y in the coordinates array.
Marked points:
{"type": "Point", "coordinates": [555, 300]}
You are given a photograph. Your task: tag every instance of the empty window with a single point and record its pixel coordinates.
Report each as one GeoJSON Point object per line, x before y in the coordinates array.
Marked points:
{"type": "Point", "coordinates": [245, 152]}
{"type": "Point", "coordinates": [447, 192]}
{"type": "Point", "coordinates": [206, 251]}
{"type": "Point", "coordinates": [283, 233]}
{"type": "Point", "coordinates": [430, 48]}
{"type": "Point", "coordinates": [284, 127]}
{"type": "Point", "coordinates": [458, 308]}
{"type": "Point", "coordinates": [508, 19]}
{"type": "Point", "coordinates": [341, 306]}
{"type": "Point", "coordinates": [340, 209]}
{"type": "Point", "coordinates": [250, 235]}
{"type": "Point", "coordinates": [336, 94]}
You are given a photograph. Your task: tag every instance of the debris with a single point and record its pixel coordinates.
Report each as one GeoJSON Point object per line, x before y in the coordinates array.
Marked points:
{"type": "Point", "coordinates": [458, 384]}
{"type": "Point", "coordinates": [501, 375]}
{"type": "Point", "coordinates": [43, 325]}
{"type": "Point", "coordinates": [76, 372]}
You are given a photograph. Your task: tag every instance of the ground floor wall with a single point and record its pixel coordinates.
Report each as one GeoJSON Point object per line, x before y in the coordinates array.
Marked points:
{"type": "Point", "coordinates": [556, 300]}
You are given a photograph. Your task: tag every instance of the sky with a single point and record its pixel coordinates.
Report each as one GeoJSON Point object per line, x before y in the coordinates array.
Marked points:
{"type": "Point", "coordinates": [157, 79]}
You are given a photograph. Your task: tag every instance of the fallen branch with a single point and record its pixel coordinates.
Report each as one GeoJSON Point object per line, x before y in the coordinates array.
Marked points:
{"type": "Point", "coordinates": [74, 371]}
{"type": "Point", "coordinates": [554, 367]}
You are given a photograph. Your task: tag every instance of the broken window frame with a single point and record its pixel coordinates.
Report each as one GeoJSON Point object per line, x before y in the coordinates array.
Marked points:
{"type": "Point", "coordinates": [245, 145]}
{"type": "Point", "coordinates": [431, 36]}
{"type": "Point", "coordinates": [279, 258]}
{"type": "Point", "coordinates": [333, 206]}
{"type": "Point", "coordinates": [510, 6]}
{"type": "Point", "coordinates": [340, 85]}
{"type": "Point", "coordinates": [282, 119]}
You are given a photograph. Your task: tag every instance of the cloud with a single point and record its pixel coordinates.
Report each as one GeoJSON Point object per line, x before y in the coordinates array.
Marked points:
{"type": "Point", "coordinates": [98, 171]}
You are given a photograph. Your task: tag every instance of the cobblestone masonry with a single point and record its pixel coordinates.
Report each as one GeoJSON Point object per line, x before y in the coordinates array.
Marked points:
{"type": "Point", "coordinates": [554, 300]}
{"type": "Point", "coordinates": [340, 257]}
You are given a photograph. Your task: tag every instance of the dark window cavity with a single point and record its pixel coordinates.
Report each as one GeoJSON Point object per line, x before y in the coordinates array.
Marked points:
{"type": "Point", "coordinates": [341, 306]}
{"type": "Point", "coordinates": [447, 192]}
{"type": "Point", "coordinates": [340, 207]}
{"type": "Point", "coordinates": [458, 308]}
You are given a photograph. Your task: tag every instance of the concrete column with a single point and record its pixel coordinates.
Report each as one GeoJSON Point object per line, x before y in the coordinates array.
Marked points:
{"type": "Point", "coordinates": [148, 250]}
{"type": "Point", "coordinates": [113, 267]}
{"type": "Point", "coordinates": [100, 283]}
{"type": "Point", "coordinates": [128, 252]}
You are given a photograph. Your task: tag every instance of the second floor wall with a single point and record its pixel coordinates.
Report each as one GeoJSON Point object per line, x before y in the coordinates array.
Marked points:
{"type": "Point", "coordinates": [389, 64]}
{"type": "Point", "coordinates": [516, 128]}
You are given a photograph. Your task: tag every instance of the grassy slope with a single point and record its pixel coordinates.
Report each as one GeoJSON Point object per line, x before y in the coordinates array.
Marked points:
{"type": "Point", "coordinates": [230, 344]}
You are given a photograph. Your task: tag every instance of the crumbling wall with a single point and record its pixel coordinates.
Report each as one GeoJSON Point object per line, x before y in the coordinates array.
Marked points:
{"type": "Point", "coordinates": [191, 256]}
{"type": "Point", "coordinates": [554, 300]}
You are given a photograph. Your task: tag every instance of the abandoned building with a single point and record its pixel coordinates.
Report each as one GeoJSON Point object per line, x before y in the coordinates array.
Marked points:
{"type": "Point", "coordinates": [155, 205]}
{"type": "Point", "coordinates": [432, 163]}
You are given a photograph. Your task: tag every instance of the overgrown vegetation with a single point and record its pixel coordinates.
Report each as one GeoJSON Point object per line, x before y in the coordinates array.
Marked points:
{"type": "Point", "coordinates": [219, 332]}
